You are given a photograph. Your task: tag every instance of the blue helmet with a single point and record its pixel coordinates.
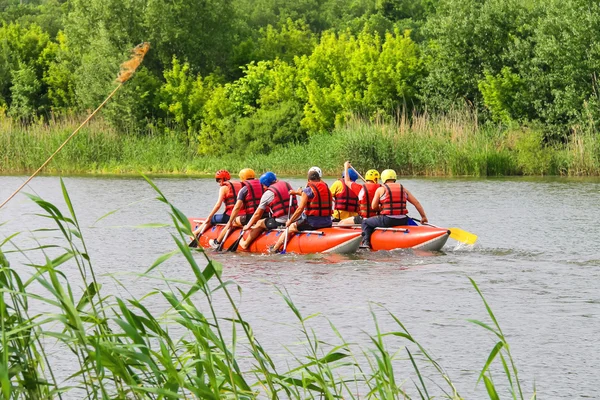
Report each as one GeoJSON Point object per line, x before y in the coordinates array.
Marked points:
{"type": "Point", "coordinates": [268, 178]}
{"type": "Point", "coordinates": [352, 173]}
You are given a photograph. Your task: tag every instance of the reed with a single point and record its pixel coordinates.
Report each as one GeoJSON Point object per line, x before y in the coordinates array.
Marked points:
{"type": "Point", "coordinates": [122, 349]}
{"type": "Point", "coordinates": [454, 144]}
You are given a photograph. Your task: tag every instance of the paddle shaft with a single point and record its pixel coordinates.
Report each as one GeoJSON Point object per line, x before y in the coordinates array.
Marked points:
{"type": "Point", "coordinates": [359, 175]}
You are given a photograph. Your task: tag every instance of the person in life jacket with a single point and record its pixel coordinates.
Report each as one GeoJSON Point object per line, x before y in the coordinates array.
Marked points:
{"type": "Point", "coordinates": [278, 200]}
{"type": "Point", "coordinates": [314, 210]}
{"type": "Point", "coordinates": [390, 200]}
{"type": "Point", "coordinates": [246, 203]}
{"type": "Point", "coordinates": [227, 194]}
{"type": "Point", "coordinates": [365, 196]}
{"type": "Point", "coordinates": [345, 194]}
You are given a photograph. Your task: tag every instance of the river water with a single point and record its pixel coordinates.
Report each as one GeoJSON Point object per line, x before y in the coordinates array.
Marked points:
{"type": "Point", "coordinates": [536, 261]}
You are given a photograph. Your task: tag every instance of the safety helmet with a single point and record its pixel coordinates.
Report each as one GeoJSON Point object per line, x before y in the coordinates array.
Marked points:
{"type": "Point", "coordinates": [268, 178]}
{"type": "Point", "coordinates": [372, 175]}
{"type": "Point", "coordinates": [388, 174]}
{"type": "Point", "coordinates": [318, 171]}
{"type": "Point", "coordinates": [246, 174]}
{"type": "Point", "coordinates": [352, 174]}
{"type": "Point", "coordinates": [223, 174]}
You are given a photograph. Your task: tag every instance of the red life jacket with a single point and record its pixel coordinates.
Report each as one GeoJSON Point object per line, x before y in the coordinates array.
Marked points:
{"type": "Point", "coordinates": [281, 203]}
{"type": "Point", "coordinates": [255, 192]}
{"type": "Point", "coordinates": [320, 204]}
{"type": "Point", "coordinates": [346, 200]}
{"type": "Point", "coordinates": [395, 201]}
{"type": "Point", "coordinates": [369, 189]}
{"type": "Point", "coordinates": [231, 196]}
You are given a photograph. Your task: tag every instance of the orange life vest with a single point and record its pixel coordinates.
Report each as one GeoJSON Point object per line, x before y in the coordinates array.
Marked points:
{"type": "Point", "coordinates": [395, 201]}
{"type": "Point", "coordinates": [346, 200]}
{"type": "Point", "coordinates": [320, 204]}
{"type": "Point", "coordinates": [255, 192]}
{"type": "Point", "coordinates": [231, 196]}
{"type": "Point", "coordinates": [365, 210]}
{"type": "Point", "coordinates": [281, 202]}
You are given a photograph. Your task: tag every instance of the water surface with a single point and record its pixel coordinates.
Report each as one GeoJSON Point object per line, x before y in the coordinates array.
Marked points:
{"type": "Point", "coordinates": [536, 261]}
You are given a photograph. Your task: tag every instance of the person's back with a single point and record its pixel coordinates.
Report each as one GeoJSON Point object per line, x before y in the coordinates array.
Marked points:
{"type": "Point", "coordinates": [233, 188]}
{"type": "Point", "coordinates": [280, 205]}
{"type": "Point", "coordinates": [345, 194]}
{"type": "Point", "coordinates": [393, 201]}
{"type": "Point", "coordinates": [364, 203]}
{"type": "Point", "coordinates": [319, 203]}
{"type": "Point", "coordinates": [252, 198]}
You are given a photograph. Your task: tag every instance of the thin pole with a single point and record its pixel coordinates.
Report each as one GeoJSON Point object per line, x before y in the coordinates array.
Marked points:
{"type": "Point", "coordinates": [62, 145]}
{"type": "Point", "coordinates": [359, 175]}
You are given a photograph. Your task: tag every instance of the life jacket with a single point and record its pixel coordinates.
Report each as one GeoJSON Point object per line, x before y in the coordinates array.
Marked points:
{"type": "Point", "coordinates": [346, 200]}
{"type": "Point", "coordinates": [255, 192]}
{"type": "Point", "coordinates": [320, 204]}
{"type": "Point", "coordinates": [231, 196]}
{"type": "Point", "coordinates": [364, 204]}
{"type": "Point", "coordinates": [395, 201]}
{"type": "Point", "coordinates": [281, 203]}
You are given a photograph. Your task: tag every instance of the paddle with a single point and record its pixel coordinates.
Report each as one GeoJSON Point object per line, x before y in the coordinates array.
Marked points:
{"type": "Point", "coordinates": [458, 234]}
{"type": "Point", "coordinates": [235, 244]}
{"type": "Point", "coordinates": [287, 229]}
{"type": "Point", "coordinates": [224, 239]}
{"type": "Point", "coordinates": [359, 175]}
{"type": "Point", "coordinates": [285, 240]}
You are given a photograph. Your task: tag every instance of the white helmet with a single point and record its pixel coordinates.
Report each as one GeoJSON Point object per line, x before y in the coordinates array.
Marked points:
{"type": "Point", "coordinates": [318, 171]}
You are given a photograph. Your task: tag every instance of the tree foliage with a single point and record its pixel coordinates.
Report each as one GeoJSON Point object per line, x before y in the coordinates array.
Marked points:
{"type": "Point", "coordinates": [252, 75]}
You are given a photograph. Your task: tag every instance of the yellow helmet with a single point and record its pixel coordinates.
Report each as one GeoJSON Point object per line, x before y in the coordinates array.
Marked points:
{"type": "Point", "coordinates": [388, 174]}
{"type": "Point", "coordinates": [372, 175]}
{"type": "Point", "coordinates": [246, 174]}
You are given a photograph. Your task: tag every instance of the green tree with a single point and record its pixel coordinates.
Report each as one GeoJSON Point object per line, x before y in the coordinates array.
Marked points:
{"type": "Point", "coordinates": [25, 93]}
{"type": "Point", "coordinates": [468, 37]}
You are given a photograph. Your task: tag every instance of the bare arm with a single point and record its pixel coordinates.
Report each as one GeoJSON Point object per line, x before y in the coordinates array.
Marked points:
{"type": "Point", "coordinates": [206, 223]}
{"type": "Point", "coordinates": [222, 193]}
{"type": "Point", "coordinates": [412, 199]}
{"type": "Point", "coordinates": [234, 213]}
{"type": "Point", "coordinates": [255, 217]}
{"type": "Point", "coordinates": [375, 202]}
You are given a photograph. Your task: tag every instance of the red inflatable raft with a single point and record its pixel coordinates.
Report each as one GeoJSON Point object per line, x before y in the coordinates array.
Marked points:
{"type": "Point", "coordinates": [325, 240]}
{"type": "Point", "coordinates": [423, 237]}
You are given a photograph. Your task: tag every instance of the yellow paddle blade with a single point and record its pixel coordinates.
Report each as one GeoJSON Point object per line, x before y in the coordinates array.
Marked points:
{"type": "Point", "coordinates": [463, 236]}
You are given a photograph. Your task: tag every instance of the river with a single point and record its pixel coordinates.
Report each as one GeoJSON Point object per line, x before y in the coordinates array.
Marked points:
{"type": "Point", "coordinates": [536, 261]}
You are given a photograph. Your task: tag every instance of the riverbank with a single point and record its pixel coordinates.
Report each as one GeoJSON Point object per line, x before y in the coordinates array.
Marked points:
{"type": "Point", "coordinates": [424, 146]}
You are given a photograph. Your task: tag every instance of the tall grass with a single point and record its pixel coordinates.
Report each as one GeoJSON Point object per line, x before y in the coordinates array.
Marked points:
{"type": "Point", "coordinates": [453, 144]}
{"type": "Point", "coordinates": [121, 349]}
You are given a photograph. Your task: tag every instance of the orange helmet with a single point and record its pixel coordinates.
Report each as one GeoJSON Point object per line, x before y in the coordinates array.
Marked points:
{"type": "Point", "coordinates": [246, 174]}
{"type": "Point", "coordinates": [223, 174]}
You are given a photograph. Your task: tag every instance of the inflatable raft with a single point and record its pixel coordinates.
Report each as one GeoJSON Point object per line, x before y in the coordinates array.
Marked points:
{"type": "Point", "coordinates": [325, 240]}
{"type": "Point", "coordinates": [422, 237]}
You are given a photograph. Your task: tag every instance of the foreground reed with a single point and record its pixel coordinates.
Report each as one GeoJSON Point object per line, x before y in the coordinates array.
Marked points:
{"type": "Point", "coordinates": [121, 349]}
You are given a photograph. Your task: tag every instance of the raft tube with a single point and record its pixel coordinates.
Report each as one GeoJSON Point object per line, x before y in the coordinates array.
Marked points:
{"type": "Point", "coordinates": [422, 237]}
{"type": "Point", "coordinates": [325, 240]}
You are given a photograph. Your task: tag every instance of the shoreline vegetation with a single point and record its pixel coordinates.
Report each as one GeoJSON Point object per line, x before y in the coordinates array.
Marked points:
{"type": "Point", "coordinates": [453, 144]}
{"type": "Point", "coordinates": [123, 347]}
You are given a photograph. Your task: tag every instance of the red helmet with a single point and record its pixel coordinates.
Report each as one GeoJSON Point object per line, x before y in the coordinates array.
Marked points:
{"type": "Point", "coordinates": [223, 174]}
